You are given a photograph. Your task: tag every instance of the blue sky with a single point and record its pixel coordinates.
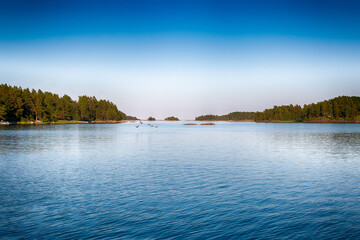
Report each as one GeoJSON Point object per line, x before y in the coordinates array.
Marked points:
{"type": "Point", "coordinates": [183, 58]}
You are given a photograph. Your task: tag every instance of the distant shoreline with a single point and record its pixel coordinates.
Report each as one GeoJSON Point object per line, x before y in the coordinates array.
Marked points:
{"type": "Point", "coordinates": [222, 120]}
{"type": "Point", "coordinates": [290, 121]}
{"type": "Point", "coordinates": [320, 120]}
{"type": "Point", "coordinates": [4, 123]}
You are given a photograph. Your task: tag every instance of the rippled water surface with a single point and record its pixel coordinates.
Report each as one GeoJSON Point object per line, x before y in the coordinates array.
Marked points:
{"type": "Point", "coordinates": [231, 180]}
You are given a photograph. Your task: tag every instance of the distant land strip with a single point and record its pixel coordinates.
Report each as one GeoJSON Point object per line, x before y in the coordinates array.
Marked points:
{"type": "Point", "coordinates": [234, 116]}
{"type": "Point", "coordinates": [342, 109]}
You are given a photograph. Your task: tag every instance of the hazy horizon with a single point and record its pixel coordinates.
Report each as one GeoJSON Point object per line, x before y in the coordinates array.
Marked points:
{"type": "Point", "coordinates": [183, 59]}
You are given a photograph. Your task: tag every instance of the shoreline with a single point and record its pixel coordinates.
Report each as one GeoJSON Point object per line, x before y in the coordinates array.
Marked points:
{"type": "Point", "coordinates": [5, 123]}
{"type": "Point", "coordinates": [290, 121]}
{"type": "Point", "coordinates": [331, 121]}
{"type": "Point", "coordinates": [221, 120]}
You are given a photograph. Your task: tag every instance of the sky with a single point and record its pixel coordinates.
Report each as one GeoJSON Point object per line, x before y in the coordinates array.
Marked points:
{"type": "Point", "coordinates": [183, 57]}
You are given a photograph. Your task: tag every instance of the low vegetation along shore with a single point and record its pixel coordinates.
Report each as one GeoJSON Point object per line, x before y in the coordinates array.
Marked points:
{"type": "Point", "coordinates": [24, 106]}
{"type": "Point", "coordinates": [234, 116]}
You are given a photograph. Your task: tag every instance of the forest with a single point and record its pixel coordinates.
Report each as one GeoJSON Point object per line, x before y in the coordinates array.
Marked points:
{"type": "Point", "coordinates": [24, 105]}
{"type": "Point", "coordinates": [339, 109]}
{"type": "Point", "coordinates": [234, 116]}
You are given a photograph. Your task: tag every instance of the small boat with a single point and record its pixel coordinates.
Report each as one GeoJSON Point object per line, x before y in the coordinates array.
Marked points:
{"type": "Point", "coordinates": [4, 122]}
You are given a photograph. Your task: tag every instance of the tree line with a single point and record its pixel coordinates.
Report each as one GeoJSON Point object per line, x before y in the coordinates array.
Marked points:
{"type": "Point", "coordinates": [234, 116]}
{"type": "Point", "coordinates": [172, 118]}
{"type": "Point", "coordinates": [341, 108]}
{"type": "Point", "coordinates": [131, 118]}
{"type": "Point", "coordinates": [17, 104]}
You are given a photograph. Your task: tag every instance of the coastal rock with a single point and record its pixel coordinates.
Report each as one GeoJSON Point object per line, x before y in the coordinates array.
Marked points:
{"type": "Point", "coordinates": [207, 124]}
{"type": "Point", "coordinates": [190, 124]}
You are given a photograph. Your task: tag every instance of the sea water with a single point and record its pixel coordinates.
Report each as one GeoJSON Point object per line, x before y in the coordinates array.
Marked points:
{"type": "Point", "coordinates": [231, 180]}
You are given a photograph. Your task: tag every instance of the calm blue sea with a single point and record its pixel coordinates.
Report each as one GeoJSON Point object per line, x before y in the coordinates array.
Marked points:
{"type": "Point", "coordinates": [228, 181]}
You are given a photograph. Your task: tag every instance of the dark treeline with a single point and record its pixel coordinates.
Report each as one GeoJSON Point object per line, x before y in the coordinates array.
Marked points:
{"type": "Point", "coordinates": [337, 109]}
{"type": "Point", "coordinates": [17, 104]}
{"type": "Point", "coordinates": [131, 118]}
{"type": "Point", "coordinates": [234, 116]}
{"type": "Point", "coordinates": [172, 118]}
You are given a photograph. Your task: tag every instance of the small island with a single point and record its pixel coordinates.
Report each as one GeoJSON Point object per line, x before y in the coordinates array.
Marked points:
{"type": "Point", "coordinates": [207, 123]}
{"type": "Point", "coordinates": [172, 118]}
{"type": "Point", "coordinates": [151, 119]}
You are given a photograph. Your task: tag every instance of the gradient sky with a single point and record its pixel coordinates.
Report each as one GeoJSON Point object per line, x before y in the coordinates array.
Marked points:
{"type": "Point", "coordinates": [183, 57]}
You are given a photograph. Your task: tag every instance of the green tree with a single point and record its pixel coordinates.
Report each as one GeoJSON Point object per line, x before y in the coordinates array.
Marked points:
{"type": "Point", "coordinates": [336, 110]}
